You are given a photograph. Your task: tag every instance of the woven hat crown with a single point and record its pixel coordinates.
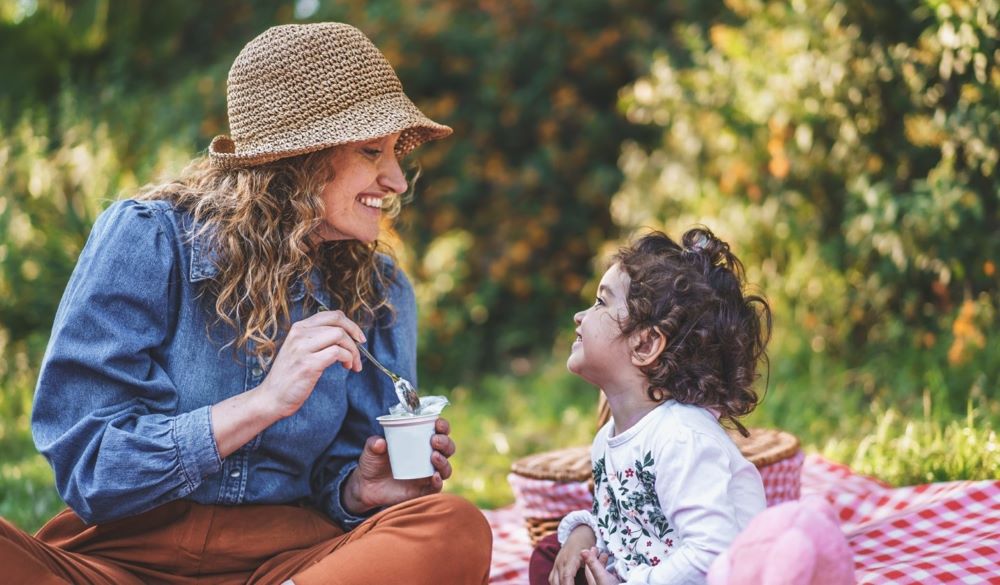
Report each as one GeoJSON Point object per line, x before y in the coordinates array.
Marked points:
{"type": "Point", "coordinates": [300, 88]}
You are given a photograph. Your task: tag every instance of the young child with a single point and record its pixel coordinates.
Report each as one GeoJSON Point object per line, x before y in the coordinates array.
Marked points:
{"type": "Point", "coordinates": [674, 342]}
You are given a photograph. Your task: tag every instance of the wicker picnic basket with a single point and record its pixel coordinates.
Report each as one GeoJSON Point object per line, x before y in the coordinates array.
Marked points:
{"type": "Point", "coordinates": [569, 470]}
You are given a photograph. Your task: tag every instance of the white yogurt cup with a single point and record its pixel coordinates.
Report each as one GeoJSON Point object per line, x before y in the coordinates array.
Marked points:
{"type": "Point", "coordinates": [409, 439]}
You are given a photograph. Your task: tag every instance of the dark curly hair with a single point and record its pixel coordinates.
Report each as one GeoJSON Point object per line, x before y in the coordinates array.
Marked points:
{"type": "Point", "coordinates": [716, 333]}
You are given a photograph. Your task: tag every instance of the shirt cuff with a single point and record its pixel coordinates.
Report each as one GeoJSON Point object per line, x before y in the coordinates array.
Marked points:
{"type": "Point", "coordinates": [338, 511]}
{"type": "Point", "coordinates": [574, 519]}
{"type": "Point", "coordinates": [640, 575]}
{"type": "Point", "coordinates": [196, 448]}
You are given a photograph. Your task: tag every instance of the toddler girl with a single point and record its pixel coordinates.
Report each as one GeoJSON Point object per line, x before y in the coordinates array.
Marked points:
{"type": "Point", "coordinates": [674, 343]}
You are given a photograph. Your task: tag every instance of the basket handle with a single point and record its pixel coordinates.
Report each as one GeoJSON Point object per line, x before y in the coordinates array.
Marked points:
{"type": "Point", "coordinates": [603, 411]}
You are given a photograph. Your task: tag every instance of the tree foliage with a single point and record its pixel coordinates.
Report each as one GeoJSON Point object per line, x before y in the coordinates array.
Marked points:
{"type": "Point", "coordinates": [850, 147]}
{"type": "Point", "coordinates": [850, 150]}
{"type": "Point", "coordinates": [514, 206]}
{"type": "Point", "coordinates": [506, 217]}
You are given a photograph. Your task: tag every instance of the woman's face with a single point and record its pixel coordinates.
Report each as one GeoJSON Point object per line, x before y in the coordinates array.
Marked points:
{"type": "Point", "coordinates": [365, 173]}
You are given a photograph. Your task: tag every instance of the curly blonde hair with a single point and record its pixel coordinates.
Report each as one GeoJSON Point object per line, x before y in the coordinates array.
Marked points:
{"type": "Point", "coordinates": [260, 221]}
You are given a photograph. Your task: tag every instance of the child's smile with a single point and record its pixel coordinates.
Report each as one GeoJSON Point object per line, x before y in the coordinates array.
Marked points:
{"type": "Point", "coordinates": [600, 351]}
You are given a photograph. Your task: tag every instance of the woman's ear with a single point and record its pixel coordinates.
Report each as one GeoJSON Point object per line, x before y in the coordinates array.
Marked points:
{"type": "Point", "coordinates": [647, 345]}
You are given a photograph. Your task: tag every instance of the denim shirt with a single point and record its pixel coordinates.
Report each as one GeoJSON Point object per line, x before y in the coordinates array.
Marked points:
{"type": "Point", "coordinates": [121, 410]}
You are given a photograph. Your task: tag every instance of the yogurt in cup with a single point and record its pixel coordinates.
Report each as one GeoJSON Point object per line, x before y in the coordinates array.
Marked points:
{"type": "Point", "coordinates": [409, 437]}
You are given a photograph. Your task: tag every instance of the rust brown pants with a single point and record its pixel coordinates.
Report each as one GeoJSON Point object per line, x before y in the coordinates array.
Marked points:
{"type": "Point", "coordinates": [440, 539]}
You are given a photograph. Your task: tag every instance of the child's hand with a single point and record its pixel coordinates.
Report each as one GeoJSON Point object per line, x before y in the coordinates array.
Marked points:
{"type": "Point", "coordinates": [567, 563]}
{"type": "Point", "coordinates": [593, 565]}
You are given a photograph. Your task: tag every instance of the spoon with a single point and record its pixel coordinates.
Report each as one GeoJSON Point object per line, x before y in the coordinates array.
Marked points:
{"type": "Point", "coordinates": [404, 390]}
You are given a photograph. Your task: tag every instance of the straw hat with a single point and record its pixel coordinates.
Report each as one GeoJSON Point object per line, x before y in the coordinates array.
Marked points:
{"type": "Point", "coordinates": [300, 88]}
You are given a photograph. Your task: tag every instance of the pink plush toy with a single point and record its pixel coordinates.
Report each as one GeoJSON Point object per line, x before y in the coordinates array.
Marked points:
{"type": "Point", "coordinates": [794, 543]}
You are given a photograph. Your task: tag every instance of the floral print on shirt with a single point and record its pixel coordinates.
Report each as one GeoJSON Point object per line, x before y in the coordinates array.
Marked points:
{"type": "Point", "coordinates": [628, 512]}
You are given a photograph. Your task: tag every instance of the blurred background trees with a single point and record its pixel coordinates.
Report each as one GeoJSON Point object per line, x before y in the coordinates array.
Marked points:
{"type": "Point", "coordinates": [847, 149]}
{"type": "Point", "coordinates": [506, 218]}
{"type": "Point", "coordinates": [851, 151]}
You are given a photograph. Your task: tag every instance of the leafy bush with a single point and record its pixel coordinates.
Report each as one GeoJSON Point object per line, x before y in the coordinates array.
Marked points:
{"type": "Point", "coordinates": [849, 152]}
{"type": "Point", "coordinates": [523, 186]}
{"type": "Point", "coordinates": [513, 207]}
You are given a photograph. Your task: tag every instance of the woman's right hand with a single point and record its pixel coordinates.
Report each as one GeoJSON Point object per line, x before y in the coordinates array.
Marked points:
{"type": "Point", "coordinates": [568, 562]}
{"type": "Point", "coordinates": [311, 346]}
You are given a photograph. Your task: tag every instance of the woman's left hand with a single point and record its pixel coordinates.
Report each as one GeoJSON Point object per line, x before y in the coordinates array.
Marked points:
{"type": "Point", "coordinates": [371, 485]}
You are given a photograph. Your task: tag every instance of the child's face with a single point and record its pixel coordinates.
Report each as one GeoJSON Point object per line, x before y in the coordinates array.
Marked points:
{"type": "Point", "coordinates": [600, 352]}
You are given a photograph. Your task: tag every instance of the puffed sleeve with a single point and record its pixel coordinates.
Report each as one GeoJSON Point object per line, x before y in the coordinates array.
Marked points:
{"type": "Point", "coordinates": [104, 409]}
{"type": "Point", "coordinates": [693, 490]}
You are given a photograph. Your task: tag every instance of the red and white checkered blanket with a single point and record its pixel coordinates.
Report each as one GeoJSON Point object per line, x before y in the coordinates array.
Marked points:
{"type": "Point", "coordinates": [932, 533]}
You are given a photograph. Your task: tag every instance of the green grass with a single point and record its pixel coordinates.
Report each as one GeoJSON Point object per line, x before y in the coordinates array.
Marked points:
{"type": "Point", "coordinates": [507, 417]}
{"type": "Point", "coordinates": [903, 451]}
{"type": "Point", "coordinates": [878, 422]}
{"type": "Point", "coordinates": [27, 497]}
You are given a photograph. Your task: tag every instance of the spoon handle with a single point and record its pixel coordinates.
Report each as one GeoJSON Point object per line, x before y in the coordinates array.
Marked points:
{"type": "Point", "coordinates": [404, 390]}
{"type": "Point", "coordinates": [370, 357]}
{"type": "Point", "coordinates": [378, 365]}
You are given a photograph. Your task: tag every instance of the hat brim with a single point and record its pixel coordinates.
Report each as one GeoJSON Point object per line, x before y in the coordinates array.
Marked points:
{"type": "Point", "coordinates": [380, 116]}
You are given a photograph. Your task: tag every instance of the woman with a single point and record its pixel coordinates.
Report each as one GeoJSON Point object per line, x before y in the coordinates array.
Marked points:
{"type": "Point", "coordinates": [208, 420]}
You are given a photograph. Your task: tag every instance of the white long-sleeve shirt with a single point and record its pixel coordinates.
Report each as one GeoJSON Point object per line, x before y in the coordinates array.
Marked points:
{"type": "Point", "coordinates": [670, 494]}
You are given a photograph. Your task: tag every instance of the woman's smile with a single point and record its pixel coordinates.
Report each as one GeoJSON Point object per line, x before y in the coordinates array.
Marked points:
{"type": "Point", "coordinates": [371, 201]}
{"type": "Point", "coordinates": [365, 174]}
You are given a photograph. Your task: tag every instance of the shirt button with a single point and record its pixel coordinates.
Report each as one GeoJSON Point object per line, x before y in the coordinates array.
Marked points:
{"type": "Point", "coordinates": [256, 371]}
{"type": "Point", "coordinates": [234, 473]}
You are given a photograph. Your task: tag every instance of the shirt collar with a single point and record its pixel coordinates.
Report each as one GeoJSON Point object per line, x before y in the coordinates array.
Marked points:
{"type": "Point", "coordinates": [205, 265]}
{"type": "Point", "coordinates": [204, 259]}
